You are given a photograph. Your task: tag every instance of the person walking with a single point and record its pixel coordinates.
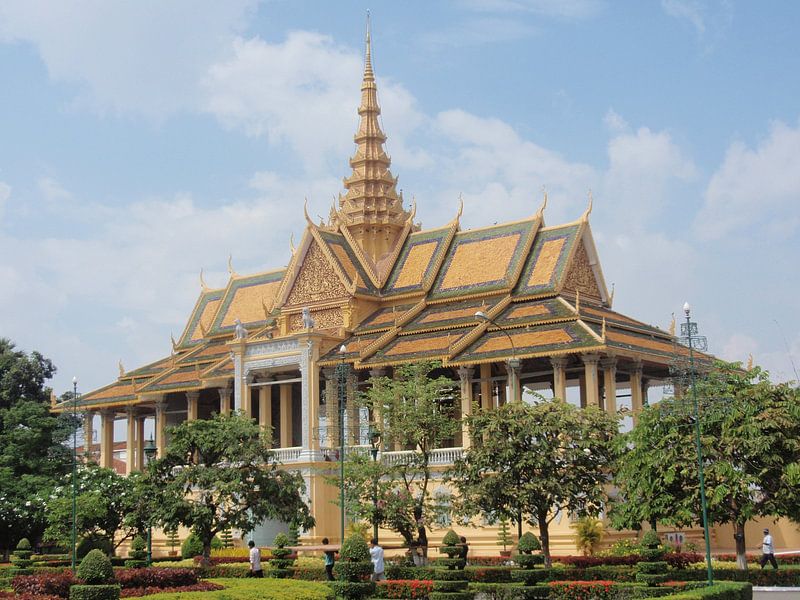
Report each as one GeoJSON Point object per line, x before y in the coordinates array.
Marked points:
{"type": "Point", "coordinates": [330, 560]}
{"type": "Point", "coordinates": [767, 551]}
{"type": "Point", "coordinates": [255, 560]}
{"type": "Point", "coordinates": [376, 554]}
{"type": "Point", "coordinates": [463, 551]}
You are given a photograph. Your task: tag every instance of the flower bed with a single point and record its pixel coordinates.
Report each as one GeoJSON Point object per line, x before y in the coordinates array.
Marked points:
{"type": "Point", "coordinates": [58, 584]}
{"type": "Point", "coordinates": [404, 588]}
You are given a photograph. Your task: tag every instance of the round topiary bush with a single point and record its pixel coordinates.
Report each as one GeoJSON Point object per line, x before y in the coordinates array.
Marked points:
{"type": "Point", "coordinates": [355, 549]}
{"type": "Point", "coordinates": [95, 568]}
{"type": "Point", "coordinates": [138, 549]}
{"type": "Point", "coordinates": [280, 561]}
{"type": "Point", "coordinates": [353, 570]}
{"type": "Point", "coordinates": [192, 546]}
{"type": "Point", "coordinates": [24, 544]}
{"type": "Point", "coordinates": [450, 543]}
{"type": "Point", "coordinates": [528, 543]}
{"type": "Point", "coordinates": [650, 540]}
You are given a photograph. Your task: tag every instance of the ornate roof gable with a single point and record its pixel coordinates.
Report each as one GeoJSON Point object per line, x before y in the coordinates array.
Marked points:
{"type": "Point", "coordinates": [247, 298]}
{"type": "Point", "coordinates": [202, 317]}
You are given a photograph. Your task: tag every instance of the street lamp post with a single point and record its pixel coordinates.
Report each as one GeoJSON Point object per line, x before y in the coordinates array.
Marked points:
{"type": "Point", "coordinates": [513, 363]}
{"type": "Point", "coordinates": [343, 370]}
{"type": "Point", "coordinates": [688, 330]}
{"type": "Point", "coordinates": [374, 441]}
{"type": "Point", "coordinates": [75, 472]}
{"type": "Point", "coordinates": [150, 450]}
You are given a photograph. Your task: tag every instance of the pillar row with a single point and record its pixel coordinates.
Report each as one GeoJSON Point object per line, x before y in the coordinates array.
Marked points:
{"type": "Point", "coordinates": [130, 442]}
{"type": "Point", "coordinates": [636, 389]}
{"type": "Point", "coordinates": [465, 377]}
{"type": "Point", "coordinates": [609, 365]}
{"type": "Point", "coordinates": [286, 415]}
{"type": "Point", "coordinates": [192, 400]}
{"type": "Point", "coordinates": [590, 379]}
{"type": "Point", "coordinates": [107, 439]}
{"type": "Point", "coordinates": [559, 376]}
{"type": "Point", "coordinates": [161, 427]}
{"type": "Point", "coordinates": [224, 400]}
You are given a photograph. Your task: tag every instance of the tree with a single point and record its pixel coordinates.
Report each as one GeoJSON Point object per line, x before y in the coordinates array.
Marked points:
{"type": "Point", "coordinates": [32, 454]}
{"type": "Point", "coordinates": [417, 413]}
{"type": "Point", "coordinates": [536, 461]}
{"type": "Point", "coordinates": [588, 534]}
{"type": "Point", "coordinates": [750, 437]}
{"type": "Point", "coordinates": [219, 474]}
{"type": "Point", "coordinates": [106, 504]}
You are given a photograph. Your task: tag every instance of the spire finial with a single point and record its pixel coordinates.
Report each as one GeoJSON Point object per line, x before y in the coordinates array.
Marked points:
{"type": "Point", "coordinates": [368, 49]}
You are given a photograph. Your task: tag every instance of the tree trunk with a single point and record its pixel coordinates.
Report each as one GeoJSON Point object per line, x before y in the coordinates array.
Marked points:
{"type": "Point", "coordinates": [544, 537]}
{"type": "Point", "coordinates": [741, 547]}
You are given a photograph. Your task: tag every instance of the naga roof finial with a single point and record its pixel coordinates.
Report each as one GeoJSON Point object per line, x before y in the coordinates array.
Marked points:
{"type": "Point", "coordinates": [231, 272]}
{"type": "Point", "coordinates": [588, 211]}
{"type": "Point", "coordinates": [203, 285]}
{"type": "Point", "coordinates": [540, 212]}
{"type": "Point", "coordinates": [121, 368]}
{"type": "Point", "coordinates": [672, 325]}
{"type": "Point", "coordinates": [291, 243]}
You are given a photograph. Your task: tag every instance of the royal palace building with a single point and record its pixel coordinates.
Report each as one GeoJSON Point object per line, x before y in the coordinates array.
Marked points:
{"type": "Point", "coordinates": [373, 289]}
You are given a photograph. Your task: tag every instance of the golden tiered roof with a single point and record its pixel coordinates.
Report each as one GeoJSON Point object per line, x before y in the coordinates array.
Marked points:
{"type": "Point", "coordinates": [392, 294]}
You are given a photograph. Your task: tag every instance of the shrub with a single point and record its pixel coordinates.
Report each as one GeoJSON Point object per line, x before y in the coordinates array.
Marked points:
{"type": "Point", "coordinates": [156, 578]}
{"type": "Point", "coordinates": [450, 544]}
{"type": "Point", "coordinates": [90, 543]}
{"type": "Point", "coordinates": [95, 568]}
{"type": "Point", "coordinates": [528, 543]}
{"type": "Point", "coordinates": [94, 592]}
{"type": "Point", "coordinates": [24, 544]}
{"type": "Point", "coordinates": [352, 590]}
{"type": "Point", "coordinates": [203, 586]}
{"type": "Point", "coordinates": [581, 590]}
{"type": "Point", "coordinates": [138, 549]}
{"type": "Point", "coordinates": [528, 561]}
{"type": "Point", "coordinates": [44, 584]}
{"type": "Point", "coordinates": [135, 564]}
{"type": "Point", "coordinates": [192, 546]}
{"type": "Point", "coordinates": [624, 547]}
{"type": "Point", "coordinates": [489, 574]}
{"type": "Point", "coordinates": [216, 543]}
{"type": "Point", "coordinates": [589, 533]}
{"type": "Point", "coordinates": [233, 571]}
{"type": "Point", "coordinates": [404, 588]}
{"type": "Point", "coordinates": [650, 539]}
{"type": "Point", "coordinates": [355, 549]}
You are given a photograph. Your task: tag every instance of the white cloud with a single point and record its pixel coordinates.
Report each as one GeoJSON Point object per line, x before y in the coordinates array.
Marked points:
{"type": "Point", "coordinates": [710, 19]}
{"type": "Point", "coordinates": [615, 122]}
{"type": "Point", "coordinates": [644, 169]}
{"type": "Point", "coordinates": [139, 57]}
{"type": "Point", "coordinates": [755, 188]}
{"type": "Point", "coordinates": [52, 190]}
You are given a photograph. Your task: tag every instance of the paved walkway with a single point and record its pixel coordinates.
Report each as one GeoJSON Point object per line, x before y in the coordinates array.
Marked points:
{"type": "Point", "coordinates": [776, 593]}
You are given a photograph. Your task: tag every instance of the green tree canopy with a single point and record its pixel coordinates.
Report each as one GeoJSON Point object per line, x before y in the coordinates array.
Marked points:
{"type": "Point", "coordinates": [106, 504]}
{"type": "Point", "coordinates": [750, 434]}
{"type": "Point", "coordinates": [536, 461]}
{"type": "Point", "coordinates": [32, 452]}
{"type": "Point", "coordinates": [417, 413]}
{"type": "Point", "coordinates": [218, 474]}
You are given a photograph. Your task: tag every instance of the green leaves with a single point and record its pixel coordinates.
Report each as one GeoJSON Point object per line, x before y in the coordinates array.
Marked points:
{"type": "Point", "coordinates": [219, 474]}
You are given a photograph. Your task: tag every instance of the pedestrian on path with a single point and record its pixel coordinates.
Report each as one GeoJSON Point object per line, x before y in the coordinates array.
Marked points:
{"type": "Point", "coordinates": [330, 560]}
{"type": "Point", "coordinates": [255, 560]}
{"type": "Point", "coordinates": [767, 551]}
{"type": "Point", "coordinates": [376, 554]}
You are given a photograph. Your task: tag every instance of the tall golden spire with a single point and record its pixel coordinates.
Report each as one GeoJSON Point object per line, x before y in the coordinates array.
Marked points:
{"type": "Point", "coordinates": [371, 208]}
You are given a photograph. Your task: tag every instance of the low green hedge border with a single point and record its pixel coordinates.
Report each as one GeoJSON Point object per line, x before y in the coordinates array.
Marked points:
{"type": "Point", "coordinates": [621, 591]}
{"type": "Point", "coordinates": [94, 592]}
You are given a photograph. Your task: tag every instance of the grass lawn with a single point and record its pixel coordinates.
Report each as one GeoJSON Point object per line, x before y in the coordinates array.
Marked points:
{"type": "Point", "coordinates": [255, 589]}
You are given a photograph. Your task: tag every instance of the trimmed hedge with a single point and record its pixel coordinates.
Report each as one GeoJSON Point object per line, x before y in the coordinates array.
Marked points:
{"type": "Point", "coordinates": [403, 588]}
{"type": "Point", "coordinates": [94, 592]}
{"type": "Point", "coordinates": [352, 590]}
{"type": "Point", "coordinates": [95, 568]}
{"type": "Point", "coordinates": [728, 590]}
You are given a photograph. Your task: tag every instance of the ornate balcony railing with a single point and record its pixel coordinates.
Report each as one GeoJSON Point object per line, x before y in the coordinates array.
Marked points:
{"type": "Point", "coordinates": [440, 456]}
{"type": "Point", "coordinates": [287, 455]}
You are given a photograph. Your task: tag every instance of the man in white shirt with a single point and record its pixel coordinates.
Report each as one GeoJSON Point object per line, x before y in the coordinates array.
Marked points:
{"type": "Point", "coordinates": [255, 560]}
{"type": "Point", "coordinates": [767, 551]}
{"type": "Point", "coordinates": [376, 554]}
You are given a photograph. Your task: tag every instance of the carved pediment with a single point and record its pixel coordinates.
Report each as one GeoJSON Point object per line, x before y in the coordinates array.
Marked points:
{"type": "Point", "coordinates": [581, 277]}
{"type": "Point", "coordinates": [316, 280]}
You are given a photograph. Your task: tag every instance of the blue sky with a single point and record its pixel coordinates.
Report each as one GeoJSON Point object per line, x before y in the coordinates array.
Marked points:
{"type": "Point", "coordinates": [141, 141]}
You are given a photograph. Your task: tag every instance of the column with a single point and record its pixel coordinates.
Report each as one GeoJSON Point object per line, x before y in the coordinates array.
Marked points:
{"type": "Point", "coordinates": [331, 407]}
{"type": "Point", "coordinates": [590, 380]}
{"type": "Point", "coordinates": [286, 415]}
{"type": "Point", "coordinates": [377, 416]}
{"type": "Point", "coordinates": [130, 442]}
{"type": "Point", "coordinates": [636, 389]}
{"type": "Point", "coordinates": [247, 399]}
{"type": "Point", "coordinates": [191, 405]}
{"type": "Point", "coordinates": [139, 464]}
{"type": "Point", "coordinates": [486, 386]}
{"type": "Point", "coordinates": [465, 377]}
{"type": "Point", "coordinates": [88, 434]}
{"type": "Point", "coordinates": [609, 365]}
{"type": "Point", "coordinates": [265, 411]}
{"type": "Point", "coordinates": [107, 439]}
{"type": "Point", "coordinates": [352, 410]}
{"type": "Point", "coordinates": [161, 427]}
{"type": "Point", "coordinates": [514, 390]}
{"type": "Point", "coordinates": [224, 400]}
{"type": "Point", "coordinates": [559, 376]}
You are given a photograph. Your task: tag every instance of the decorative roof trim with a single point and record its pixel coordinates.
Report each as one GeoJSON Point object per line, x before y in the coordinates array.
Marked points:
{"type": "Point", "coordinates": [387, 336]}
